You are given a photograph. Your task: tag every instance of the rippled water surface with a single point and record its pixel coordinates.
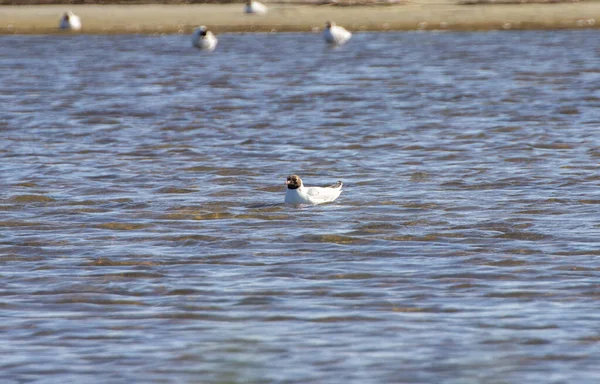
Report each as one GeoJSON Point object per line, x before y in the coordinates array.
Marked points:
{"type": "Point", "coordinates": [143, 236]}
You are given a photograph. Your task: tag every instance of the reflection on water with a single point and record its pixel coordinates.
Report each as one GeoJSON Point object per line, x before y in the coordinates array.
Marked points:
{"type": "Point", "coordinates": [143, 236]}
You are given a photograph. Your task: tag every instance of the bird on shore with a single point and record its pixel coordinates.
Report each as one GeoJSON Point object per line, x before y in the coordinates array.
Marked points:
{"type": "Point", "coordinates": [70, 21]}
{"type": "Point", "coordinates": [335, 35]}
{"type": "Point", "coordinates": [298, 194]}
{"type": "Point", "coordinates": [204, 39]}
{"type": "Point", "coordinates": [255, 7]}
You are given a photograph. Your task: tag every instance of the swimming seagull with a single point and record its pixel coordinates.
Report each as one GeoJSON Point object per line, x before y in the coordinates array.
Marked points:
{"type": "Point", "coordinates": [204, 39]}
{"type": "Point", "coordinates": [255, 7]}
{"type": "Point", "coordinates": [298, 194]}
{"type": "Point", "coordinates": [70, 21]}
{"type": "Point", "coordinates": [335, 35]}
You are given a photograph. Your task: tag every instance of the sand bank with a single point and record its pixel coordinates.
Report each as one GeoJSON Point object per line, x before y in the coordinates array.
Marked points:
{"type": "Point", "coordinates": [414, 15]}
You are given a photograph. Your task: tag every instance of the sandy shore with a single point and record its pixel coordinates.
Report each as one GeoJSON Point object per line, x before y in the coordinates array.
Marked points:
{"type": "Point", "coordinates": [416, 14]}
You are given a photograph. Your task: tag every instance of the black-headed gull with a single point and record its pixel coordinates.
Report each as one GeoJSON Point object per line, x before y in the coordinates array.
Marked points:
{"type": "Point", "coordinates": [70, 21]}
{"type": "Point", "coordinates": [255, 7]}
{"type": "Point", "coordinates": [204, 39]}
{"type": "Point", "coordinates": [334, 34]}
{"type": "Point", "coordinates": [298, 194]}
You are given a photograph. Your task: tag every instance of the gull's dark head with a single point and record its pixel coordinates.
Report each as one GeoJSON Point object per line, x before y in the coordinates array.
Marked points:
{"type": "Point", "coordinates": [329, 24]}
{"type": "Point", "coordinates": [293, 182]}
{"type": "Point", "coordinates": [66, 16]}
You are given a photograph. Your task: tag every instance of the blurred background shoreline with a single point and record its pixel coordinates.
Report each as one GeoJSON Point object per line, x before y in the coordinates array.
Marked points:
{"type": "Point", "coordinates": [170, 17]}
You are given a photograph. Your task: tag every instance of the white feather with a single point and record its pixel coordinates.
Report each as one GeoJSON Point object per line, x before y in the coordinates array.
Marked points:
{"type": "Point", "coordinates": [334, 34]}
{"type": "Point", "coordinates": [312, 195]}
{"type": "Point", "coordinates": [70, 21]}
{"type": "Point", "coordinates": [255, 7]}
{"type": "Point", "coordinates": [206, 42]}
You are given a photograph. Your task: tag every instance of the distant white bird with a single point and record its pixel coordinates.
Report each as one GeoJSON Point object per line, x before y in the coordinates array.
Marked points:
{"type": "Point", "coordinates": [298, 194]}
{"type": "Point", "coordinates": [204, 39]}
{"type": "Point", "coordinates": [255, 7]}
{"type": "Point", "coordinates": [336, 35]}
{"type": "Point", "coordinates": [70, 21]}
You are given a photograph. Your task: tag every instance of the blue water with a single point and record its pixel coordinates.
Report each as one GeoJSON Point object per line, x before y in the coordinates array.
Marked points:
{"type": "Point", "coordinates": [143, 236]}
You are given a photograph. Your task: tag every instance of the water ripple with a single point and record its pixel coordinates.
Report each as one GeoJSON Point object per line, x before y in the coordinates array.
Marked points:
{"type": "Point", "coordinates": [143, 235]}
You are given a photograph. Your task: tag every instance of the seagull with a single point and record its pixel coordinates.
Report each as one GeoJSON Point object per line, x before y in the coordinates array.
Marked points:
{"type": "Point", "coordinates": [255, 7]}
{"type": "Point", "coordinates": [204, 39]}
{"type": "Point", "coordinates": [298, 194]}
{"type": "Point", "coordinates": [335, 34]}
{"type": "Point", "coordinates": [70, 21]}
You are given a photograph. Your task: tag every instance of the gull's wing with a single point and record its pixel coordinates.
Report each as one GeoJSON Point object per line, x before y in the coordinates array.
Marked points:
{"type": "Point", "coordinates": [325, 193]}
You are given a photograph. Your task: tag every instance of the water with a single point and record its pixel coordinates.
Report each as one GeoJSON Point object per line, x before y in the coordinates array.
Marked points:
{"type": "Point", "coordinates": [143, 237]}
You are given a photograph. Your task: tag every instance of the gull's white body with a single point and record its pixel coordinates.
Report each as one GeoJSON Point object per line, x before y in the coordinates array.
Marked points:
{"type": "Point", "coordinates": [336, 35]}
{"type": "Point", "coordinates": [255, 7]}
{"type": "Point", "coordinates": [72, 22]}
{"type": "Point", "coordinates": [313, 195]}
{"type": "Point", "coordinates": [208, 42]}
